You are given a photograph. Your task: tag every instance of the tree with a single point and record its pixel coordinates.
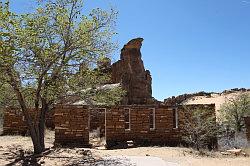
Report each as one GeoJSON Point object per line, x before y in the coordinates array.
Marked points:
{"type": "Point", "coordinates": [200, 128]}
{"type": "Point", "coordinates": [233, 111]}
{"type": "Point", "coordinates": [52, 53]}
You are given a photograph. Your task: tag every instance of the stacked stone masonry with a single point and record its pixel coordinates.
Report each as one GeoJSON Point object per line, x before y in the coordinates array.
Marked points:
{"type": "Point", "coordinates": [164, 132]}
{"type": "Point", "coordinates": [14, 122]}
{"type": "Point", "coordinates": [72, 126]}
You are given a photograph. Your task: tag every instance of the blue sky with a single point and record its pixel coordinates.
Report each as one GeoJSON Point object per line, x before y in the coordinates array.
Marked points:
{"type": "Point", "coordinates": [189, 45]}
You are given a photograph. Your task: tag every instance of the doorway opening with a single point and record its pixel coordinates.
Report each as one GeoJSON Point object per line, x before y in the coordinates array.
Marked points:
{"type": "Point", "coordinates": [97, 128]}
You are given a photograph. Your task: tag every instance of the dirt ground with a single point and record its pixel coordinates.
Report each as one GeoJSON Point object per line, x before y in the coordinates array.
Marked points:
{"type": "Point", "coordinates": [17, 150]}
{"type": "Point", "coordinates": [182, 156]}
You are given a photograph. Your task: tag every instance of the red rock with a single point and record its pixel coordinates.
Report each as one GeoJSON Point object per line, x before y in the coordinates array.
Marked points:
{"type": "Point", "coordinates": [130, 72]}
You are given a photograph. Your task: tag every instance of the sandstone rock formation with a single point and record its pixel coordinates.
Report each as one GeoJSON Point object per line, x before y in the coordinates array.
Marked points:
{"type": "Point", "coordinates": [130, 72]}
{"type": "Point", "coordinates": [205, 97]}
{"type": "Point", "coordinates": [176, 100]}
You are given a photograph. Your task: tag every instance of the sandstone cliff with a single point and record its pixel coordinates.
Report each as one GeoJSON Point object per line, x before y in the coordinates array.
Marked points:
{"type": "Point", "coordinates": [130, 72]}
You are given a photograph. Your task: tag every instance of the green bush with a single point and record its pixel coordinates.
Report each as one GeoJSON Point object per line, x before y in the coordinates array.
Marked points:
{"type": "Point", "coordinates": [234, 110]}
{"type": "Point", "coordinates": [200, 129]}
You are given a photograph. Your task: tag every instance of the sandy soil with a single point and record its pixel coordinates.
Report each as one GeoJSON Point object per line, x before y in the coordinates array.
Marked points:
{"type": "Point", "coordinates": [17, 150]}
{"type": "Point", "coordinates": [181, 156]}
{"type": "Point", "coordinates": [143, 161]}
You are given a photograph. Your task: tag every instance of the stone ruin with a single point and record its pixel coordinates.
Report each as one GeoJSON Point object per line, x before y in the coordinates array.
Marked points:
{"type": "Point", "coordinates": [150, 121]}
{"type": "Point", "coordinates": [129, 71]}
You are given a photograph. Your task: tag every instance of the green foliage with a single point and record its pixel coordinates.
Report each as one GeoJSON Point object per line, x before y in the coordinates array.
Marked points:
{"type": "Point", "coordinates": [89, 85]}
{"type": "Point", "coordinates": [200, 128]}
{"type": "Point", "coordinates": [7, 97]}
{"type": "Point", "coordinates": [233, 111]}
{"type": "Point", "coordinates": [44, 51]}
{"type": "Point", "coordinates": [51, 54]}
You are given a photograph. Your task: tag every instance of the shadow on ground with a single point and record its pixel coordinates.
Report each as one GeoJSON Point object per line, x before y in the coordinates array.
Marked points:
{"type": "Point", "coordinates": [15, 155]}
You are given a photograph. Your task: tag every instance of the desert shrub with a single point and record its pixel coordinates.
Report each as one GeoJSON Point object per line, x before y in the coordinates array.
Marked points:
{"type": "Point", "coordinates": [234, 110]}
{"type": "Point", "coordinates": [200, 129]}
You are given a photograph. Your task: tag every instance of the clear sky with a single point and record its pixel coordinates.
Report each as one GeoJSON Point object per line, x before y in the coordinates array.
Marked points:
{"type": "Point", "coordinates": [189, 45]}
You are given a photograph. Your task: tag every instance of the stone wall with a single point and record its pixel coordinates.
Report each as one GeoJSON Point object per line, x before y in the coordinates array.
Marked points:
{"type": "Point", "coordinates": [49, 120]}
{"type": "Point", "coordinates": [71, 126]}
{"type": "Point", "coordinates": [14, 122]}
{"type": "Point", "coordinates": [164, 133]}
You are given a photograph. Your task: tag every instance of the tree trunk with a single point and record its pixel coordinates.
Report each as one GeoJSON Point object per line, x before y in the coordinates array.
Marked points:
{"type": "Point", "coordinates": [37, 132]}
{"type": "Point", "coordinates": [33, 128]}
{"type": "Point", "coordinates": [38, 149]}
{"type": "Point", "coordinates": [36, 128]}
{"type": "Point", "coordinates": [39, 144]}
{"type": "Point", "coordinates": [44, 109]}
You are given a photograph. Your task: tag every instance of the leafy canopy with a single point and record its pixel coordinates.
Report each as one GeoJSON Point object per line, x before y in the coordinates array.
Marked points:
{"type": "Point", "coordinates": [45, 51]}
